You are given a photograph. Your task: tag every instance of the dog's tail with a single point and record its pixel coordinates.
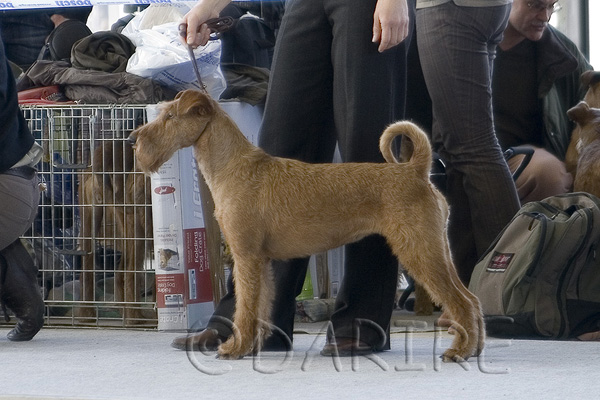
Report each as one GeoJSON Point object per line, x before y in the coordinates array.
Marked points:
{"type": "Point", "coordinates": [416, 151]}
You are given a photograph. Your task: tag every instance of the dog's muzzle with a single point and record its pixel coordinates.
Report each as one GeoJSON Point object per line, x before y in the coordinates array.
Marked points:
{"type": "Point", "coordinates": [132, 139]}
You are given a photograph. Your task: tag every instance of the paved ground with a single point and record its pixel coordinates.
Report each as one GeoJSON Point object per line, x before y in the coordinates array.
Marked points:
{"type": "Point", "coordinates": [140, 364]}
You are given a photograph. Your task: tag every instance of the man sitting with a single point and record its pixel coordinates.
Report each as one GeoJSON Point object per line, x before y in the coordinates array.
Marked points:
{"type": "Point", "coordinates": [535, 82]}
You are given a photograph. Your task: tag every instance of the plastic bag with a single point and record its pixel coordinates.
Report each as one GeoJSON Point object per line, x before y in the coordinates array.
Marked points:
{"type": "Point", "coordinates": [161, 56]}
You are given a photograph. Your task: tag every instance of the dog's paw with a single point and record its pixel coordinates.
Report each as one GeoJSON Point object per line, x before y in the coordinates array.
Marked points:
{"type": "Point", "coordinates": [460, 356]}
{"type": "Point", "coordinates": [223, 356]}
{"type": "Point", "coordinates": [231, 350]}
{"type": "Point", "coordinates": [452, 355]}
{"type": "Point", "coordinates": [85, 315]}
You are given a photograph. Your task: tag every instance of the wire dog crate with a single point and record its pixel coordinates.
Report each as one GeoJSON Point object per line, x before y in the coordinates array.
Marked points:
{"type": "Point", "coordinates": [92, 238]}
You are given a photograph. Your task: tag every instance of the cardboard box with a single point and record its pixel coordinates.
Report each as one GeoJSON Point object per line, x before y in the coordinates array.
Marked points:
{"type": "Point", "coordinates": [184, 293]}
{"type": "Point", "coordinates": [326, 271]}
{"type": "Point", "coordinates": [184, 297]}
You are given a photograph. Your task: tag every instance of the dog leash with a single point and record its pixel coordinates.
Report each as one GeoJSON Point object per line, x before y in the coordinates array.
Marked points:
{"type": "Point", "coordinates": [217, 26]}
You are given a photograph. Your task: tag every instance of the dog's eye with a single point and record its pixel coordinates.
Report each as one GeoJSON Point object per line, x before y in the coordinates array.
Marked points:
{"type": "Point", "coordinates": [170, 115]}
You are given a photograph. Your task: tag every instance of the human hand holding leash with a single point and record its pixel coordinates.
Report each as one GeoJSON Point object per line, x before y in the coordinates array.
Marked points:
{"type": "Point", "coordinates": [390, 22]}
{"type": "Point", "coordinates": [197, 31]}
{"type": "Point", "coordinates": [214, 25]}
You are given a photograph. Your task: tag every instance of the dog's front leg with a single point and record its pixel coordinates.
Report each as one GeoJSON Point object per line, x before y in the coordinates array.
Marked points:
{"type": "Point", "coordinates": [248, 281]}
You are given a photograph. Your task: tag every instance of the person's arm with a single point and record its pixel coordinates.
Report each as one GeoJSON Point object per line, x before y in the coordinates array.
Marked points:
{"type": "Point", "coordinates": [197, 31]}
{"type": "Point", "coordinates": [390, 23]}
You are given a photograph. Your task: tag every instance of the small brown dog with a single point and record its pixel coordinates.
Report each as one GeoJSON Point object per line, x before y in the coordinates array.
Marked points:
{"type": "Point", "coordinates": [274, 208]}
{"type": "Point", "coordinates": [112, 201]}
{"type": "Point", "coordinates": [587, 177]}
{"type": "Point", "coordinates": [590, 80]}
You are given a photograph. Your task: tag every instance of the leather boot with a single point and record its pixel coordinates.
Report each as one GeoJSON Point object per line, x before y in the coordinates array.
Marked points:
{"type": "Point", "coordinates": [206, 340]}
{"type": "Point", "coordinates": [20, 292]}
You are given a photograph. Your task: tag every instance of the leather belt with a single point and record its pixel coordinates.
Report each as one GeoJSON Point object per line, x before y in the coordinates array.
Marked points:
{"type": "Point", "coordinates": [24, 172]}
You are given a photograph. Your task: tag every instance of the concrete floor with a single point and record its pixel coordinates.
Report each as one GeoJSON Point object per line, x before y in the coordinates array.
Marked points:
{"type": "Point", "coordinates": [140, 364]}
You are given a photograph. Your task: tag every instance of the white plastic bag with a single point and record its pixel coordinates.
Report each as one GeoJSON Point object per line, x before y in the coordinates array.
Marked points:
{"type": "Point", "coordinates": [161, 56]}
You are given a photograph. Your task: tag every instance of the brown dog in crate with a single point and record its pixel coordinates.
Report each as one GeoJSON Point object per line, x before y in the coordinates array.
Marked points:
{"type": "Point", "coordinates": [587, 176]}
{"type": "Point", "coordinates": [591, 81]}
{"type": "Point", "coordinates": [115, 213]}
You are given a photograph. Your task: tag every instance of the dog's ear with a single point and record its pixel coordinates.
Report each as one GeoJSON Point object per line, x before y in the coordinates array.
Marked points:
{"type": "Point", "coordinates": [194, 101]}
{"type": "Point", "coordinates": [580, 113]}
{"type": "Point", "coordinates": [188, 93]}
{"type": "Point", "coordinates": [589, 78]}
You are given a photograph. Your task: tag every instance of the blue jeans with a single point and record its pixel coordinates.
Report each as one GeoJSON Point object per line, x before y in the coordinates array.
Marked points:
{"type": "Point", "coordinates": [457, 46]}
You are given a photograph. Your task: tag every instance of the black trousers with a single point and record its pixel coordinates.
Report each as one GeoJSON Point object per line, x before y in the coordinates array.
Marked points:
{"type": "Point", "coordinates": [329, 85]}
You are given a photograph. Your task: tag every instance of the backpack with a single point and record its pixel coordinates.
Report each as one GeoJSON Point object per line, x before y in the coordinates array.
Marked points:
{"type": "Point", "coordinates": [60, 41]}
{"type": "Point", "coordinates": [251, 39]}
{"type": "Point", "coordinates": [543, 271]}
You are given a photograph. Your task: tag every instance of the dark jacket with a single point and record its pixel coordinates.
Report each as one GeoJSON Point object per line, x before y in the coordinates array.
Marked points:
{"type": "Point", "coordinates": [15, 138]}
{"type": "Point", "coordinates": [560, 65]}
{"type": "Point", "coordinates": [97, 87]}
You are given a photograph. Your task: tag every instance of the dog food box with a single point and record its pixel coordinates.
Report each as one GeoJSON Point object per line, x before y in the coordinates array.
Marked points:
{"type": "Point", "coordinates": [184, 292]}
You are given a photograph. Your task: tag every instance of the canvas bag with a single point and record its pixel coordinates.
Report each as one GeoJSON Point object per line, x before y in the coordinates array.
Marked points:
{"type": "Point", "coordinates": [543, 271]}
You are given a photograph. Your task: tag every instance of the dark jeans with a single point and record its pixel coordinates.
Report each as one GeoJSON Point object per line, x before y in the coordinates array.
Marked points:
{"type": "Point", "coordinates": [19, 196]}
{"type": "Point", "coordinates": [24, 34]}
{"type": "Point", "coordinates": [457, 46]}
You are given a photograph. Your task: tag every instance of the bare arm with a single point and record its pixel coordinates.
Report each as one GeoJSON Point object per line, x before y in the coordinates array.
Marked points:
{"type": "Point", "coordinates": [197, 31]}
{"type": "Point", "coordinates": [390, 23]}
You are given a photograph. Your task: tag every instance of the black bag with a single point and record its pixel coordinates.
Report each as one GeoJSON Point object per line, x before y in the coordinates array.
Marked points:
{"type": "Point", "coordinates": [252, 38]}
{"type": "Point", "coordinates": [541, 276]}
{"type": "Point", "coordinates": [61, 40]}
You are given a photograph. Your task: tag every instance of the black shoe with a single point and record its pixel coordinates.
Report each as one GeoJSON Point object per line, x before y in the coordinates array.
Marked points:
{"type": "Point", "coordinates": [210, 340]}
{"type": "Point", "coordinates": [23, 332]}
{"type": "Point", "coordinates": [347, 347]}
{"type": "Point", "coordinates": [278, 341]}
{"type": "Point", "coordinates": [206, 340]}
{"type": "Point", "coordinates": [20, 292]}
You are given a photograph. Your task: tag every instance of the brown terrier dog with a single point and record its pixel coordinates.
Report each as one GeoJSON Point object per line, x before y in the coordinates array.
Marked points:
{"type": "Point", "coordinates": [587, 177]}
{"type": "Point", "coordinates": [274, 208]}
{"type": "Point", "coordinates": [113, 198]}
{"type": "Point", "coordinates": [590, 80]}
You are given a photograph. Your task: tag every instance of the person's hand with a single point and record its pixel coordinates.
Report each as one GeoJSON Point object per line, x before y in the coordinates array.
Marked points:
{"type": "Point", "coordinates": [197, 33]}
{"type": "Point", "coordinates": [390, 23]}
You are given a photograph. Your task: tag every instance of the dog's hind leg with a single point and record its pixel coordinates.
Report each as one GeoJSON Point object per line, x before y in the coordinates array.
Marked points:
{"type": "Point", "coordinates": [476, 309]}
{"type": "Point", "coordinates": [426, 259]}
{"type": "Point", "coordinates": [248, 280]}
